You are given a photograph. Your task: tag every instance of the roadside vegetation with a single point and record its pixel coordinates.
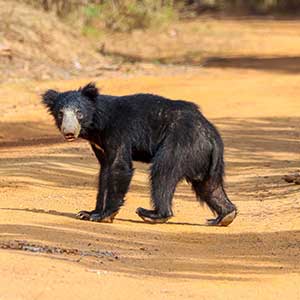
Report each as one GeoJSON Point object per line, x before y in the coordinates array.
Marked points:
{"type": "Point", "coordinates": [42, 39]}
{"type": "Point", "coordinates": [127, 15]}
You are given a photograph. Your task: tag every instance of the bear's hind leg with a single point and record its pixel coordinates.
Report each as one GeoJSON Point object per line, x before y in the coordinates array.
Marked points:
{"type": "Point", "coordinates": [163, 185]}
{"type": "Point", "coordinates": [214, 195]}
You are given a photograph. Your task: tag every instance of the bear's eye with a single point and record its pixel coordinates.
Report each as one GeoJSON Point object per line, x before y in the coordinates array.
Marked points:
{"type": "Point", "coordinates": [79, 115]}
{"type": "Point", "coordinates": [60, 114]}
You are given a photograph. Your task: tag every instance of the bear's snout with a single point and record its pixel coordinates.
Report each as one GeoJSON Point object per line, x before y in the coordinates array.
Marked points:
{"type": "Point", "coordinates": [70, 126]}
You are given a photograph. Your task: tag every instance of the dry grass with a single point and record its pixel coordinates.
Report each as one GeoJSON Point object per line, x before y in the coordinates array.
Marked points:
{"type": "Point", "coordinates": [193, 42]}
{"type": "Point", "coordinates": [41, 46]}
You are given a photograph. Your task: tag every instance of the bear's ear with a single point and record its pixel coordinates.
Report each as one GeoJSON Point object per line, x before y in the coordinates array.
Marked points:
{"type": "Point", "coordinates": [49, 98]}
{"type": "Point", "coordinates": [90, 91]}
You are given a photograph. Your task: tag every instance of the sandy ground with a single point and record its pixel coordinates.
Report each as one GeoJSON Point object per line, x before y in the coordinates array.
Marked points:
{"type": "Point", "coordinates": [45, 181]}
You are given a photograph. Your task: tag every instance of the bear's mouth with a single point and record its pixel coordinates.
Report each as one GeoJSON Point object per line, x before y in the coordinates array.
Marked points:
{"type": "Point", "coordinates": [70, 137]}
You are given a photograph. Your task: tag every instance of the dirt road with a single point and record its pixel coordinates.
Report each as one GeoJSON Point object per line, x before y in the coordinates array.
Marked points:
{"type": "Point", "coordinates": [45, 181]}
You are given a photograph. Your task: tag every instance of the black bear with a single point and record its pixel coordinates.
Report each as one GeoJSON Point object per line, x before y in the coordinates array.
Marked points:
{"type": "Point", "coordinates": [173, 136]}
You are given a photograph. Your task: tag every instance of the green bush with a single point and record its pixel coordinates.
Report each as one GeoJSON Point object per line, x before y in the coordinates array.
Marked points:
{"type": "Point", "coordinates": [125, 16]}
{"type": "Point", "coordinates": [92, 16]}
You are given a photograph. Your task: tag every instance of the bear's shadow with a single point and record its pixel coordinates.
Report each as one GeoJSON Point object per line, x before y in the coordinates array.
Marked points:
{"type": "Point", "coordinates": [73, 216]}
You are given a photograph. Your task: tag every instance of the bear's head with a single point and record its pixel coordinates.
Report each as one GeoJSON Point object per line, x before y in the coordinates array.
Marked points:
{"type": "Point", "coordinates": [73, 111]}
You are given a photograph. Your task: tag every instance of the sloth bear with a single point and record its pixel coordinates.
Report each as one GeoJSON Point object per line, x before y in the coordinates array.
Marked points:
{"type": "Point", "coordinates": [173, 136]}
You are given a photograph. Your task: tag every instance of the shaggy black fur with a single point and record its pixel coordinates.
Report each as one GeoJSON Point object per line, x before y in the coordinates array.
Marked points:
{"type": "Point", "coordinates": [174, 136]}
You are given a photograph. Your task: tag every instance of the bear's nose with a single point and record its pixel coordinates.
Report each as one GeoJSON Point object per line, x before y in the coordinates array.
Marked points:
{"type": "Point", "coordinates": [70, 126]}
{"type": "Point", "coordinates": [66, 130]}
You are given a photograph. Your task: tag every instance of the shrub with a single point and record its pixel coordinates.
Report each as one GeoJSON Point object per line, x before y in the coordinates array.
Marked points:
{"type": "Point", "coordinates": [125, 16]}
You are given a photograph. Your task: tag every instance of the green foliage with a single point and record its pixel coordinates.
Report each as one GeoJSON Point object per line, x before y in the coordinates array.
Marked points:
{"type": "Point", "coordinates": [94, 16]}
{"type": "Point", "coordinates": [125, 16]}
{"type": "Point", "coordinates": [92, 11]}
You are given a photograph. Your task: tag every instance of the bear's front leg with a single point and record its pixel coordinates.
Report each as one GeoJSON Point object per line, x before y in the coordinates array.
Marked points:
{"type": "Point", "coordinates": [102, 189]}
{"type": "Point", "coordinates": [114, 182]}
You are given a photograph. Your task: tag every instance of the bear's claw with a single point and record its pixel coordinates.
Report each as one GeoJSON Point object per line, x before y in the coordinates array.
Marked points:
{"type": "Point", "coordinates": [83, 215]}
{"type": "Point", "coordinates": [96, 217]}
